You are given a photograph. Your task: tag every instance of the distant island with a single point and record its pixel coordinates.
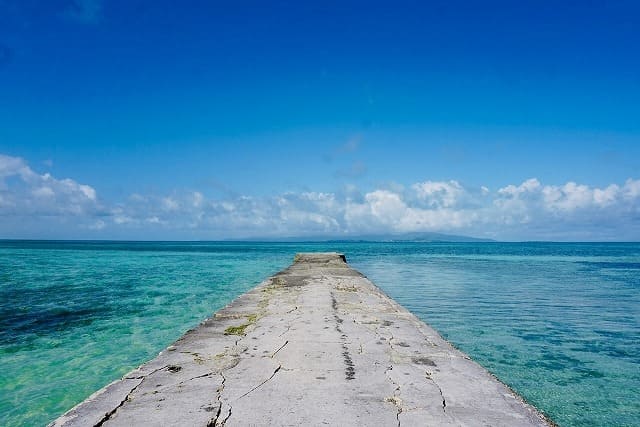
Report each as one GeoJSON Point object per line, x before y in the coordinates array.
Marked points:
{"type": "Point", "coordinates": [402, 237]}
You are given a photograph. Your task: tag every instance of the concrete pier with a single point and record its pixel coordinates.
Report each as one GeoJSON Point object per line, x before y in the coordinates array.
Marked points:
{"type": "Point", "coordinates": [316, 344]}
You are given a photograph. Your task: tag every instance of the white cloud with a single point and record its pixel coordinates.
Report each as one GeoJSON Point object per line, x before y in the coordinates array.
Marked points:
{"type": "Point", "coordinates": [154, 220]}
{"type": "Point", "coordinates": [439, 194]}
{"type": "Point", "coordinates": [631, 189]}
{"type": "Point", "coordinates": [197, 199]}
{"type": "Point", "coordinates": [169, 204]}
{"type": "Point", "coordinates": [568, 198]}
{"type": "Point", "coordinates": [571, 210]}
{"type": "Point", "coordinates": [13, 166]}
{"type": "Point", "coordinates": [386, 206]}
{"type": "Point", "coordinates": [98, 225]}
{"type": "Point", "coordinates": [43, 192]}
{"type": "Point", "coordinates": [385, 211]}
{"type": "Point", "coordinates": [529, 186]}
{"type": "Point", "coordinates": [89, 192]}
{"type": "Point", "coordinates": [528, 210]}
{"type": "Point", "coordinates": [25, 192]}
{"type": "Point", "coordinates": [606, 196]}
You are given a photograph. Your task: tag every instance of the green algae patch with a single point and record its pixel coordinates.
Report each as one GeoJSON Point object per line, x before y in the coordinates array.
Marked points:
{"type": "Point", "coordinates": [346, 288]}
{"type": "Point", "coordinates": [236, 330]}
{"type": "Point", "coordinates": [240, 329]}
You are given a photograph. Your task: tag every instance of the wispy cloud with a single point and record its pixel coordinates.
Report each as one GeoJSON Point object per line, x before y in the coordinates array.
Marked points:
{"type": "Point", "coordinates": [347, 165]}
{"type": "Point", "coordinates": [526, 210]}
{"type": "Point", "coordinates": [356, 170]}
{"type": "Point", "coordinates": [351, 145]}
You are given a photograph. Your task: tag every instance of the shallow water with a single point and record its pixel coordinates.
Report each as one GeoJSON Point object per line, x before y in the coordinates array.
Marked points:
{"type": "Point", "coordinates": [559, 323]}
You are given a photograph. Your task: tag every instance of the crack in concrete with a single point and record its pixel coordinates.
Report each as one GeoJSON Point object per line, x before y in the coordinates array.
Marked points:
{"type": "Point", "coordinates": [444, 402]}
{"type": "Point", "coordinates": [285, 331]}
{"type": "Point", "coordinates": [214, 421]}
{"type": "Point", "coordinates": [208, 374]}
{"type": "Point", "coordinates": [141, 377]}
{"type": "Point", "coordinates": [288, 327]}
{"type": "Point", "coordinates": [127, 398]}
{"type": "Point", "coordinates": [262, 383]}
{"type": "Point", "coordinates": [112, 412]}
{"type": "Point", "coordinates": [396, 400]}
{"type": "Point", "coordinates": [227, 417]}
{"type": "Point", "coordinates": [281, 347]}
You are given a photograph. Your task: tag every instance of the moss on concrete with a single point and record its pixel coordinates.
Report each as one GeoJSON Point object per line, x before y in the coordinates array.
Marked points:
{"type": "Point", "coordinates": [240, 329]}
{"type": "Point", "coordinates": [236, 330]}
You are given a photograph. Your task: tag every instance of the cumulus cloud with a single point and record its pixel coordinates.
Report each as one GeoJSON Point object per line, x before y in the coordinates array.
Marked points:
{"type": "Point", "coordinates": [526, 210]}
{"type": "Point", "coordinates": [385, 211]}
{"type": "Point", "coordinates": [439, 194]}
{"type": "Point", "coordinates": [24, 192]}
{"type": "Point", "coordinates": [529, 210]}
{"type": "Point", "coordinates": [572, 209]}
{"type": "Point", "coordinates": [569, 198]}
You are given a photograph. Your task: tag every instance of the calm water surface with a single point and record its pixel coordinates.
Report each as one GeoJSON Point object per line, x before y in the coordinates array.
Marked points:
{"type": "Point", "coordinates": [560, 323]}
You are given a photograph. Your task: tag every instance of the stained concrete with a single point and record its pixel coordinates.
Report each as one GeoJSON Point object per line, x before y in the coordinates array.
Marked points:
{"type": "Point", "coordinates": [316, 344]}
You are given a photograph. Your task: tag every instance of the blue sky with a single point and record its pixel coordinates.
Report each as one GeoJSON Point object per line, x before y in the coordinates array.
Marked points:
{"type": "Point", "coordinates": [206, 120]}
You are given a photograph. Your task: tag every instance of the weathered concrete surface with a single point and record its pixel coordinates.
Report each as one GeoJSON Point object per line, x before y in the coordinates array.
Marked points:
{"type": "Point", "coordinates": [315, 344]}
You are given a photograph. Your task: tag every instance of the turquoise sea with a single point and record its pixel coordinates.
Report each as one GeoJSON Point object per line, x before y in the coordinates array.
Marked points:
{"type": "Point", "coordinates": [558, 322]}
